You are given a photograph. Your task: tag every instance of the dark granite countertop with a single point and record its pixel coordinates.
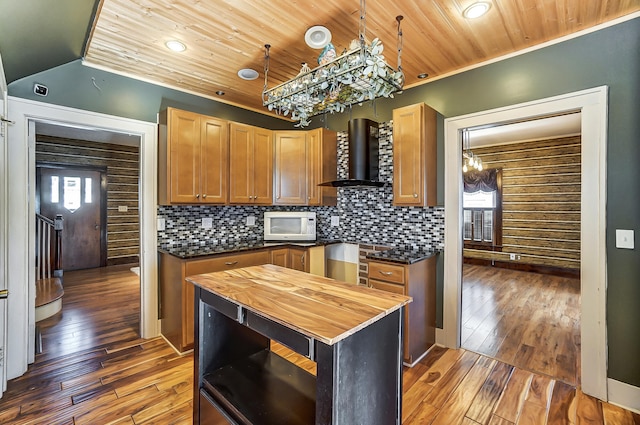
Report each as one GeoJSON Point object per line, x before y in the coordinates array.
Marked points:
{"type": "Point", "coordinates": [194, 251]}
{"type": "Point", "coordinates": [402, 255]}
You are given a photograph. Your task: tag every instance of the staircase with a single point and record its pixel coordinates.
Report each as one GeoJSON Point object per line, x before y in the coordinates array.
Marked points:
{"type": "Point", "coordinates": [49, 290]}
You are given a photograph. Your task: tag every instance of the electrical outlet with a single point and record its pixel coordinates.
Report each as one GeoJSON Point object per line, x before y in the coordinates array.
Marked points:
{"type": "Point", "coordinates": [251, 220]}
{"type": "Point", "coordinates": [123, 208]}
{"type": "Point", "coordinates": [335, 220]}
{"type": "Point", "coordinates": [514, 257]}
{"type": "Point", "coordinates": [161, 223]}
{"type": "Point", "coordinates": [207, 222]}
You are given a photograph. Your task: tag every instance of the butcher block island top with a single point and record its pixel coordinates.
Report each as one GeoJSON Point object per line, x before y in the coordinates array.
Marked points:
{"type": "Point", "coordinates": [318, 307]}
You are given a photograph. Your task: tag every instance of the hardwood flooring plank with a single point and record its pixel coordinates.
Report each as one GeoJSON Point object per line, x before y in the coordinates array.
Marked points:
{"type": "Point", "coordinates": [532, 414]}
{"type": "Point", "coordinates": [588, 409]}
{"type": "Point", "coordinates": [615, 415]}
{"type": "Point", "coordinates": [562, 408]}
{"type": "Point", "coordinates": [120, 408]}
{"type": "Point", "coordinates": [411, 374]}
{"type": "Point", "coordinates": [451, 379]}
{"type": "Point", "coordinates": [512, 398]}
{"type": "Point", "coordinates": [486, 399]}
{"type": "Point", "coordinates": [423, 415]}
{"type": "Point", "coordinates": [170, 400]}
{"type": "Point", "coordinates": [458, 403]}
{"type": "Point", "coordinates": [179, 415]}
{"type": "Point", "coordinates": [540, 390]}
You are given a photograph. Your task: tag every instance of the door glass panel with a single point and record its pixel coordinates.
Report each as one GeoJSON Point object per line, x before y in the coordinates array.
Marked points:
{"type": "Point", "coordinates": [71, 193]}
{"type": "Point", "coordinates": [55, 189]}
{"type": "Point", "coordinates": [87, 190]}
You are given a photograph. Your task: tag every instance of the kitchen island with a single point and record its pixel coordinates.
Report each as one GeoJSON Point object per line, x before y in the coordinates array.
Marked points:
{"type": "Point", "coordinates": [353, 333]}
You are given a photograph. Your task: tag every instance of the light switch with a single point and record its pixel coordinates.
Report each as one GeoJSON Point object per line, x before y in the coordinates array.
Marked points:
{"type": "Point", "coordinates": [207, 222]}
{"type": "Point", "coordinates": [624, 239]}
{"type": "Point", "coordinates": [122, 208]}
{"type": "Point", "coordinates": [335, 220]}
{"type": "Point", "coordinates": [251, 220]}
{"type": "Point", "coordinates": [160, 223]}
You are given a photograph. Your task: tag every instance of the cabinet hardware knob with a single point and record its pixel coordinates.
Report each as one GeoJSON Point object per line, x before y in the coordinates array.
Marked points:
{"type": "Point", "coordinates": [385, 273]}
{"type": "Point", "coordinates": [302, 259]}
{"type": "Point", "coordinates": [415, 195]}
{"type": "Point", "coordinates": [204, 196]}
{"type": "Point", "coordinates": [197, 195]}
{"type": "Point", "coordinates": [230, 263]}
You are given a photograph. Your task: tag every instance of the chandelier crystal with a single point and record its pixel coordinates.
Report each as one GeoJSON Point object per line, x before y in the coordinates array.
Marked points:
{"type": "Point", "coordinates": [469, 160]}
{"type": "Point", "coordinates": [358, 75]}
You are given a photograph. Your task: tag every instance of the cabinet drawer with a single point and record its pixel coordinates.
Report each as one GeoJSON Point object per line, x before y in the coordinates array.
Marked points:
{"type": "Point", "coordinates": [227, 262]}
{"type": "Point", "coordinates": [284, 335]}
{"type": "Point", "coordinates": [386, 272]}
{"type": "Point", "coordinates": [389, 287]}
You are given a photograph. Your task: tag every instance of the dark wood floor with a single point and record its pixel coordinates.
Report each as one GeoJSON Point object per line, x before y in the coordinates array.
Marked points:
{"type": "Point", "coordinates": [528, 320]}
{"type": "Point", "coordinates": [95, 370]}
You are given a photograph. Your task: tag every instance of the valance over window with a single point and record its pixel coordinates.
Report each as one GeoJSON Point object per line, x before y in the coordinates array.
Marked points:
{"type": "Point", "coordinates": [485, 180]}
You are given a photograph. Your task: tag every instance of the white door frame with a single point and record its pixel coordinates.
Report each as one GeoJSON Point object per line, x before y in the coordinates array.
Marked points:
{"type": "Point", "coordinates": [20, 166]}
{"type": "Point", "coordinates": [592, 104]}
{"type": "Point", "coordinates": [3, 227]}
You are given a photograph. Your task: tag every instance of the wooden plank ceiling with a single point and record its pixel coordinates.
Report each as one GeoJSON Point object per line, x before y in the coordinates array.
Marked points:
{"type": "Point", "coordinates": [224, 36]}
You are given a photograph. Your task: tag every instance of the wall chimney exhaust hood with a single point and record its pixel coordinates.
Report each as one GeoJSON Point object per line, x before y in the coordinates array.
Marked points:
{"type": "Point", "coordinates": [363, 156]}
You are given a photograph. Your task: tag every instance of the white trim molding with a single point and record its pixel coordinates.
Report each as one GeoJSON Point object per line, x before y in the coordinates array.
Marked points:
{"type": "Point", "coordinates": [624, 395]}
{"type": "Point", "coordinates": [592, 104]}
{"type": "Point", "coordinates": [20, 164]}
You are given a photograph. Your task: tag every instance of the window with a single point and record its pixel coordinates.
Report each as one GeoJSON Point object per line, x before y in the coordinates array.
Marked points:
{"type": "Point", "coordinates": [482, 209]}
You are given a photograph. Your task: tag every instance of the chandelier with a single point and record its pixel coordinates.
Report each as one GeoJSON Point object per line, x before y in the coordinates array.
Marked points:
{"type": "Point", "coordinates": [469, 160]}
{"type": "Point", "coordinates": [358, 75]}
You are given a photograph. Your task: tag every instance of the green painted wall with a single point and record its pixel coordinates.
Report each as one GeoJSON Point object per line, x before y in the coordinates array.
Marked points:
{"type": "Point", "coordinates": [72, 85]}
{"type": "Point", "coordinates": [608, 57]}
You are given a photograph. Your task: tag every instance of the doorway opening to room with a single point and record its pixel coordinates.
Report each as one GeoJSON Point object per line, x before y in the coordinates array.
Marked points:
{"type": "Point", "coordinates": [521, 245]}
{"type": "Point", "coordinates": [592, 105]}
{"type": "Point", "coordinates": [89, 181]}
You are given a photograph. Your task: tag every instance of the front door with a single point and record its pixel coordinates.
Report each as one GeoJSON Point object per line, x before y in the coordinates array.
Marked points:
{"type": "Point", "coordinates": [76, 194]}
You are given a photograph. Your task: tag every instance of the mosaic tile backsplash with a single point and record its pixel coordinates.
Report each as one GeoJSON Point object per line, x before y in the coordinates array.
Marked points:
{"type": "Point", "coordinates": [366, 214]}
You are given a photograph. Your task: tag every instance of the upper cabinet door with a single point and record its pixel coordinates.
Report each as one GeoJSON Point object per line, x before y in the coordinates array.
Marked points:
{"type": "Point", "coordinates": [184, 156]}
{"type": "Point", "coordinates": [262, 166]}
{"type": "Point", "coordinates": [414, 156]}
{"type": "Point", "coordinates": [240, 164]}
{"type": "Point", "coordinates": [250, 165]}
{"type": "Point", "coordinates": [290, 177]}
{"type": "Point", "coordinates": [214, 155]}
{"type": "Point", "coordinates": [322, 166]}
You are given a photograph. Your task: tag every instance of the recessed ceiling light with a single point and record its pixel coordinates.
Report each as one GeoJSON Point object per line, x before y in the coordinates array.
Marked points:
{"type": "Point", "coordinates": [175, 45]}
{"type": "Point", "coordinates": [423, 75]}
{"type": "Point", "coordinates": [476, 10]}
{"type": "Point", "coordinates": [220, 93]}
{"type": "Point", "coordinates": [317, 37]}
{"type": "Point", "coordinates": [248, 74]}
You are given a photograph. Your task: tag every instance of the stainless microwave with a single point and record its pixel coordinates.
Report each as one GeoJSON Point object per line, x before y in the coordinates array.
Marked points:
{"type": "Point", "coordinates": [289, 226]}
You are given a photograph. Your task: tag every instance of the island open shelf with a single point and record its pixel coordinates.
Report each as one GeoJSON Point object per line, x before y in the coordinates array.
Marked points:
{"type": "Point", "coordinates": [353, 334]}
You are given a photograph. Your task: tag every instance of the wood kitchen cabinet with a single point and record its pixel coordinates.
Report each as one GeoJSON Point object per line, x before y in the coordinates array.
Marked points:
{"type": "Point", "coordinates": [250, 165]}
{"type": "Point", "coordinates": [417, 280]}
{"type": "Point", "coordinates": [304, 159]}
{"type": "Point", "coordinates": [322, 166]}
{"type": "Point", "coordinates": [193, 158]}
{"type": "Point", "coordinates": [290, 168]}
{"type": "Point", "coordinates": [414, 156]}
{"type": "Point", "coordinates": [305, 259]}
{"type": "Point", "coordinates": [176, 294]}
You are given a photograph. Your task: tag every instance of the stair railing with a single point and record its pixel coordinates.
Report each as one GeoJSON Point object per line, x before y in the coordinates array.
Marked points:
{"type": "Point", "coordinates": [48, 247]}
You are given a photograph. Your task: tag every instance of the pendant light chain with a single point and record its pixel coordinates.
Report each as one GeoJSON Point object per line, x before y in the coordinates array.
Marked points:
{"type": "Point", "coordinates": [266, 68]}
{"type": "Point", "coordinates": [399, 18]}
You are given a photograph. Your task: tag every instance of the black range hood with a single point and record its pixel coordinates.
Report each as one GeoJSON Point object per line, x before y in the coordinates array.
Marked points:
{"type": "Point", "coordinates": [363, 156]}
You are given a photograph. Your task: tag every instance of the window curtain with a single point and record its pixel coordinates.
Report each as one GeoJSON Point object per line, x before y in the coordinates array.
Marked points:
{"type": "Point", "coordinates": [485, 180]}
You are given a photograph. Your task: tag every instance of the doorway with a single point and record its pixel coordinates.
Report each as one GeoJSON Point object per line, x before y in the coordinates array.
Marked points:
{"type": "Point", "coordinates": [21, 172]}
{"type": "Point", "coordinates": [592, 104]}
{"type": "Point", "coordinates": [79, 196]}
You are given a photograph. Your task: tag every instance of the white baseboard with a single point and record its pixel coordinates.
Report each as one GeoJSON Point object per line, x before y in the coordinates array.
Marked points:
{"type": "Point", "coordinates": [624, 395]}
